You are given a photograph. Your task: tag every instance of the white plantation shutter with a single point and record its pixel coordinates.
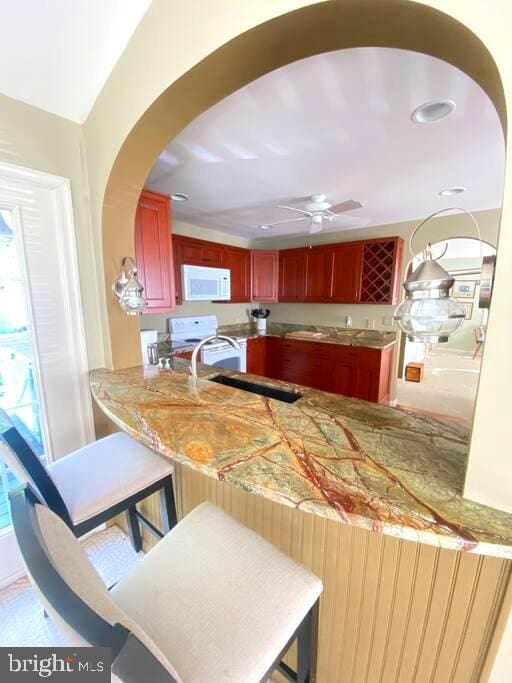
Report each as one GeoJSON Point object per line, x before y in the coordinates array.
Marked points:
{"type": "Point", "coordinates": [43, 220]}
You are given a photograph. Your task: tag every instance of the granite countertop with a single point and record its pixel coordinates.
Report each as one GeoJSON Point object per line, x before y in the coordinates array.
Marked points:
{"type": "Point", "coordinates": [360, 463]}
{"type": "Point", "coordinates": [372, 339]}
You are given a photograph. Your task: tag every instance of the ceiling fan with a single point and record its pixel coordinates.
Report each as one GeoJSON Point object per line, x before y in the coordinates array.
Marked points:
{"type": "Point", "coordinates": [318, 210]}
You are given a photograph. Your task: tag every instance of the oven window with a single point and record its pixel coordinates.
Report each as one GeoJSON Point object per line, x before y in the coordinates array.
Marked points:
{"type": "Point", "coordinates": [231, 363]}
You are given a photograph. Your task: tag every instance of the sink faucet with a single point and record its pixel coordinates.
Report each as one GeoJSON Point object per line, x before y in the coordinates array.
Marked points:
{"type": "Point", "coordinates": [198, 347]}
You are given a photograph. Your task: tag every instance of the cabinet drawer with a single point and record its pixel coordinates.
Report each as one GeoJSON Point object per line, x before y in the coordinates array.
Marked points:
{"type": "Point", "coordinates": [305, 377]}
{"type": "Point", "coordinates": [298, 346]}
{"type": "Point", "coordinates": [345, 353]}
{"type": "Point", "coordinates": [303, 361]}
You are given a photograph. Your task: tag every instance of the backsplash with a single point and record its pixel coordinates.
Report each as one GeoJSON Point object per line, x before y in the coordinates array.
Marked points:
{"type": "Point", "coordinates": [282, 329]}
{"type": "Point", "coordinates": [227, 314]}
{"type": "Point", "coordinates": [379, 317]}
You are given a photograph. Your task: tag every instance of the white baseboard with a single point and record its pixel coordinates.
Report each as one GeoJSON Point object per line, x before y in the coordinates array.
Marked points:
{"type": "Point", "coordinates": [11, 578]}
{"type": "Point", "coordinates": [11, 564]}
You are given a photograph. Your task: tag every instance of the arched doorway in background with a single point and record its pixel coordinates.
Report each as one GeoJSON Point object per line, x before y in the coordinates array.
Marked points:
{"type": "Point", "coordinates": [450, 371]}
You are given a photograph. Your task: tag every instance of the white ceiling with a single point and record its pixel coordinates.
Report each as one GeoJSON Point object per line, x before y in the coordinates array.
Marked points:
{"type": "Point", "coordinates": [338, 123]}
{"type": "Point", "coordinates": [57, 54]}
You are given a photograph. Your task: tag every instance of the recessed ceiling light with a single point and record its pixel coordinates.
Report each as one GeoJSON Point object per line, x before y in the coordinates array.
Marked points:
{"type": "Point", "coordinates": [265, 227]}
{"type": "Point", "coordinates": [450, 191]}
{"type": "Point", "coordinates": [433, 111]}
{"type": "Point", "coordinates": [179, 197]}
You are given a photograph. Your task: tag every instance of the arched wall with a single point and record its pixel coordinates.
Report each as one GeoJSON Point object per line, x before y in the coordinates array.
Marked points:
{"type": "Point", "coordinates": [309, 30]}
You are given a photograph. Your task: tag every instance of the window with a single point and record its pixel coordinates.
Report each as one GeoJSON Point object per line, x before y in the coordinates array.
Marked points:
{"type": "Point", "coordinates": [18, 392]}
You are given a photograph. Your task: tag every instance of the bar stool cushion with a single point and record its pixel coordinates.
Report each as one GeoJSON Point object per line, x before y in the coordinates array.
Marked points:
{"type": "Point", "coordinates": [105, 472]}
{"type": "Point", "coordinates": [71, 562]}
{"type": "Point", "coordinates": [219, 601]}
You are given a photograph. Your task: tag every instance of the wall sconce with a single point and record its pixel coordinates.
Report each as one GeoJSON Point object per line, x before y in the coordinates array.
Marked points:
{"type": "Point", "coordinates": [129, 290]}
{"type": "Point", "coordinates": [428, 313]}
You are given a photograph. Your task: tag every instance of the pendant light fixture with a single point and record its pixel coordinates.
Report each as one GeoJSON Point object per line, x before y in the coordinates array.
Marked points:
{"type": "Point", "coordinates": [429, 314]}
{"type": "Point", "coordinates": [129, 290]}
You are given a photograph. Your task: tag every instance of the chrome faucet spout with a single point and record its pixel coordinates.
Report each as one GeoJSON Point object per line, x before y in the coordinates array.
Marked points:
{"type": "Point", "coordinates": [198, 347]}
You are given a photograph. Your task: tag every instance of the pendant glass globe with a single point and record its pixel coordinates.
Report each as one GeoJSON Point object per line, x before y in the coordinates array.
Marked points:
{"type": "Point", "coordinates": [430, 320]}
{"type": "Point", "coordinates": [428, 313]}
{"type": "Point", "coordinates": [132, 300]}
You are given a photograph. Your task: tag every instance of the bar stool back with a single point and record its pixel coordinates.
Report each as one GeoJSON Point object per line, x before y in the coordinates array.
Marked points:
{"type": "Point", "coordinates": [75, 597]}
{"type": "Point", "coordinates": [95, 483]}
{"type": "Point", "coordinates": [212, 602]}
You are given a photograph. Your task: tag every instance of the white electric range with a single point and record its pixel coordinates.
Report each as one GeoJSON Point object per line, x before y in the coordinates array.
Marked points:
{"type": "Point", "coordinates": [187, 331]}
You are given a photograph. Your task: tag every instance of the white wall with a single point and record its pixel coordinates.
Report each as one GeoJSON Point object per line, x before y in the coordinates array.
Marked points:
{"type": "Point", "coordinates": [464, 340]}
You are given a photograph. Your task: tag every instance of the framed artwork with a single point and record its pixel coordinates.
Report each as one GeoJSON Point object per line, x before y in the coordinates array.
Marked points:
{"type": "Point", "coordinates": [464, 289]}
{"type": "Point", "coordinates": [468, 305]}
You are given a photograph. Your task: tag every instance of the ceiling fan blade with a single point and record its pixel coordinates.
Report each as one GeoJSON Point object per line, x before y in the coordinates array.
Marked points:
{"type": "Point", "coordinates": [348, 205]}
{"type": "Point", "coordinates": [340, 219]}
{"type": "Point", "coordinates": [288, 220]}
{"type": "Point", "coordinates": [292, 208]}
{"type": "Point", "coordinates": [347, 223]}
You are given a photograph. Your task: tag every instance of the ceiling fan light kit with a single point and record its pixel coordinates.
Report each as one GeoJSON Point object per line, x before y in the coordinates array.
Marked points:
{"type": "Point", "coordinates": [318, 210]}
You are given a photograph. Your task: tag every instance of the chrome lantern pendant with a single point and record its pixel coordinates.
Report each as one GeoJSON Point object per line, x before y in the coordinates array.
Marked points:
{"type": "Point", "coordinates": [429, 314]}
{"type": "Point", "coordinates": [129, 290]}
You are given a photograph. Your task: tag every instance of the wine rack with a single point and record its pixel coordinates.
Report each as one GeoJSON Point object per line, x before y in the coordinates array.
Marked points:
{"type": "Point", "coordinates": [381, 269]}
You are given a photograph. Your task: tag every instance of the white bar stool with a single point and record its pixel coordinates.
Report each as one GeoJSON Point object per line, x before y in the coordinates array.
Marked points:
{"type": "Point", "coordinates": [95, 483]}
{"type": "Point", "coordinates": [213, 602]}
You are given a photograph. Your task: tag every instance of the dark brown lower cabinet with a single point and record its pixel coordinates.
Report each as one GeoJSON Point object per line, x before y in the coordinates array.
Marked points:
{"type": "Point", "coordinates": [256, 356]}
{"type": "Point", "coordinates": [355, 372]}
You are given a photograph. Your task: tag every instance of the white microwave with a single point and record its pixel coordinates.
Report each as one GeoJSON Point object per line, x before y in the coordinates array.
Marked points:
{"type": "Point", "coordinates": [206, 284]}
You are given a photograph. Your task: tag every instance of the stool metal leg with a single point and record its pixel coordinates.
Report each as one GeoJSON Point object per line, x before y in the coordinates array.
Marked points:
{"type": "Point", "coordinates": [167, 506]}
{"type": "Point", "coordinates": [306, 646]}
{"type": "Point", "coordinates": [307, 636]}
{"type": "Point", "coordinates": [134, 528]}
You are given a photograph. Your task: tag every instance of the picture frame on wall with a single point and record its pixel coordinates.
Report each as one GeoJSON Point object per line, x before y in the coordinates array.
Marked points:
{"type": "Point", "coordinates": [468, 305]}
{"type": "Point", "coordinates": [464, 289]}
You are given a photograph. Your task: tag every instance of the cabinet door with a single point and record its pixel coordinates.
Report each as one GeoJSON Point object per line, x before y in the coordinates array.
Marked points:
{"type": "Point", "coordinates": [364, 384]}
{"type": "Point", "coordinates": [153, 251]}
{"type": "Point", "coordinates": [256, 356]}
{"type": "Point", "coordinates": [291, 275]}
{"type": "Point", "coordinates": [201, 253]}
{"type": "Point", "coordinates": [191, 252]}
{"type": "Point", "coordinates": [343, 378]}
{"type": "Point", "coordinates": [317, 274]}
{"type": "Point", "coordinates": [239, 263]}
{"type": "Point", "coordinates": [367, 376]}
{"type": "Point", "coordinates": [344, 370]}
{"type": "Point", "coordinates": [264, 267]}
{"type": "Point", "coordinates": [346, 273]}
{"type": "Point", "coordinates": [212, 254]}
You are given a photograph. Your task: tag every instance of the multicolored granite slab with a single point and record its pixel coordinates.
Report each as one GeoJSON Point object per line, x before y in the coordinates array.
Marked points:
{"type": "Point", "coordinates": [372, 339]}
{"type": "Point", "coordinates": [356, 462]}
{"type": "Point", "coordinates": [346, 336]}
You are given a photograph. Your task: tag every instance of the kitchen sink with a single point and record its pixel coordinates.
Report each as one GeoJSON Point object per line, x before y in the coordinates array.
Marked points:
{"type": "Point", "coordinates": [260, 389]}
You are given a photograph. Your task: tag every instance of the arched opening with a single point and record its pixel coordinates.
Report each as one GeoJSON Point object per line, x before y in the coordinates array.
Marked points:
{"type": "Point", "coordinates": [442, 379]}
{"type": "Point", "coordinates": [341, 123]}
{"type": "Point", "coordinates": [312, 30]}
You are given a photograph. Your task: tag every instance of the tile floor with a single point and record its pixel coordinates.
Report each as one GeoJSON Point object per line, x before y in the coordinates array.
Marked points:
{"type": "Point", "coordinates": [448, 387]}
{"type": "Point", "coordinates": [21, 616]}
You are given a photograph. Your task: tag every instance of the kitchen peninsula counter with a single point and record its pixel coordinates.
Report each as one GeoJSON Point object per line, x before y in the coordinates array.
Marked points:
{"type": "Point", "coordinates": [346, 460]}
